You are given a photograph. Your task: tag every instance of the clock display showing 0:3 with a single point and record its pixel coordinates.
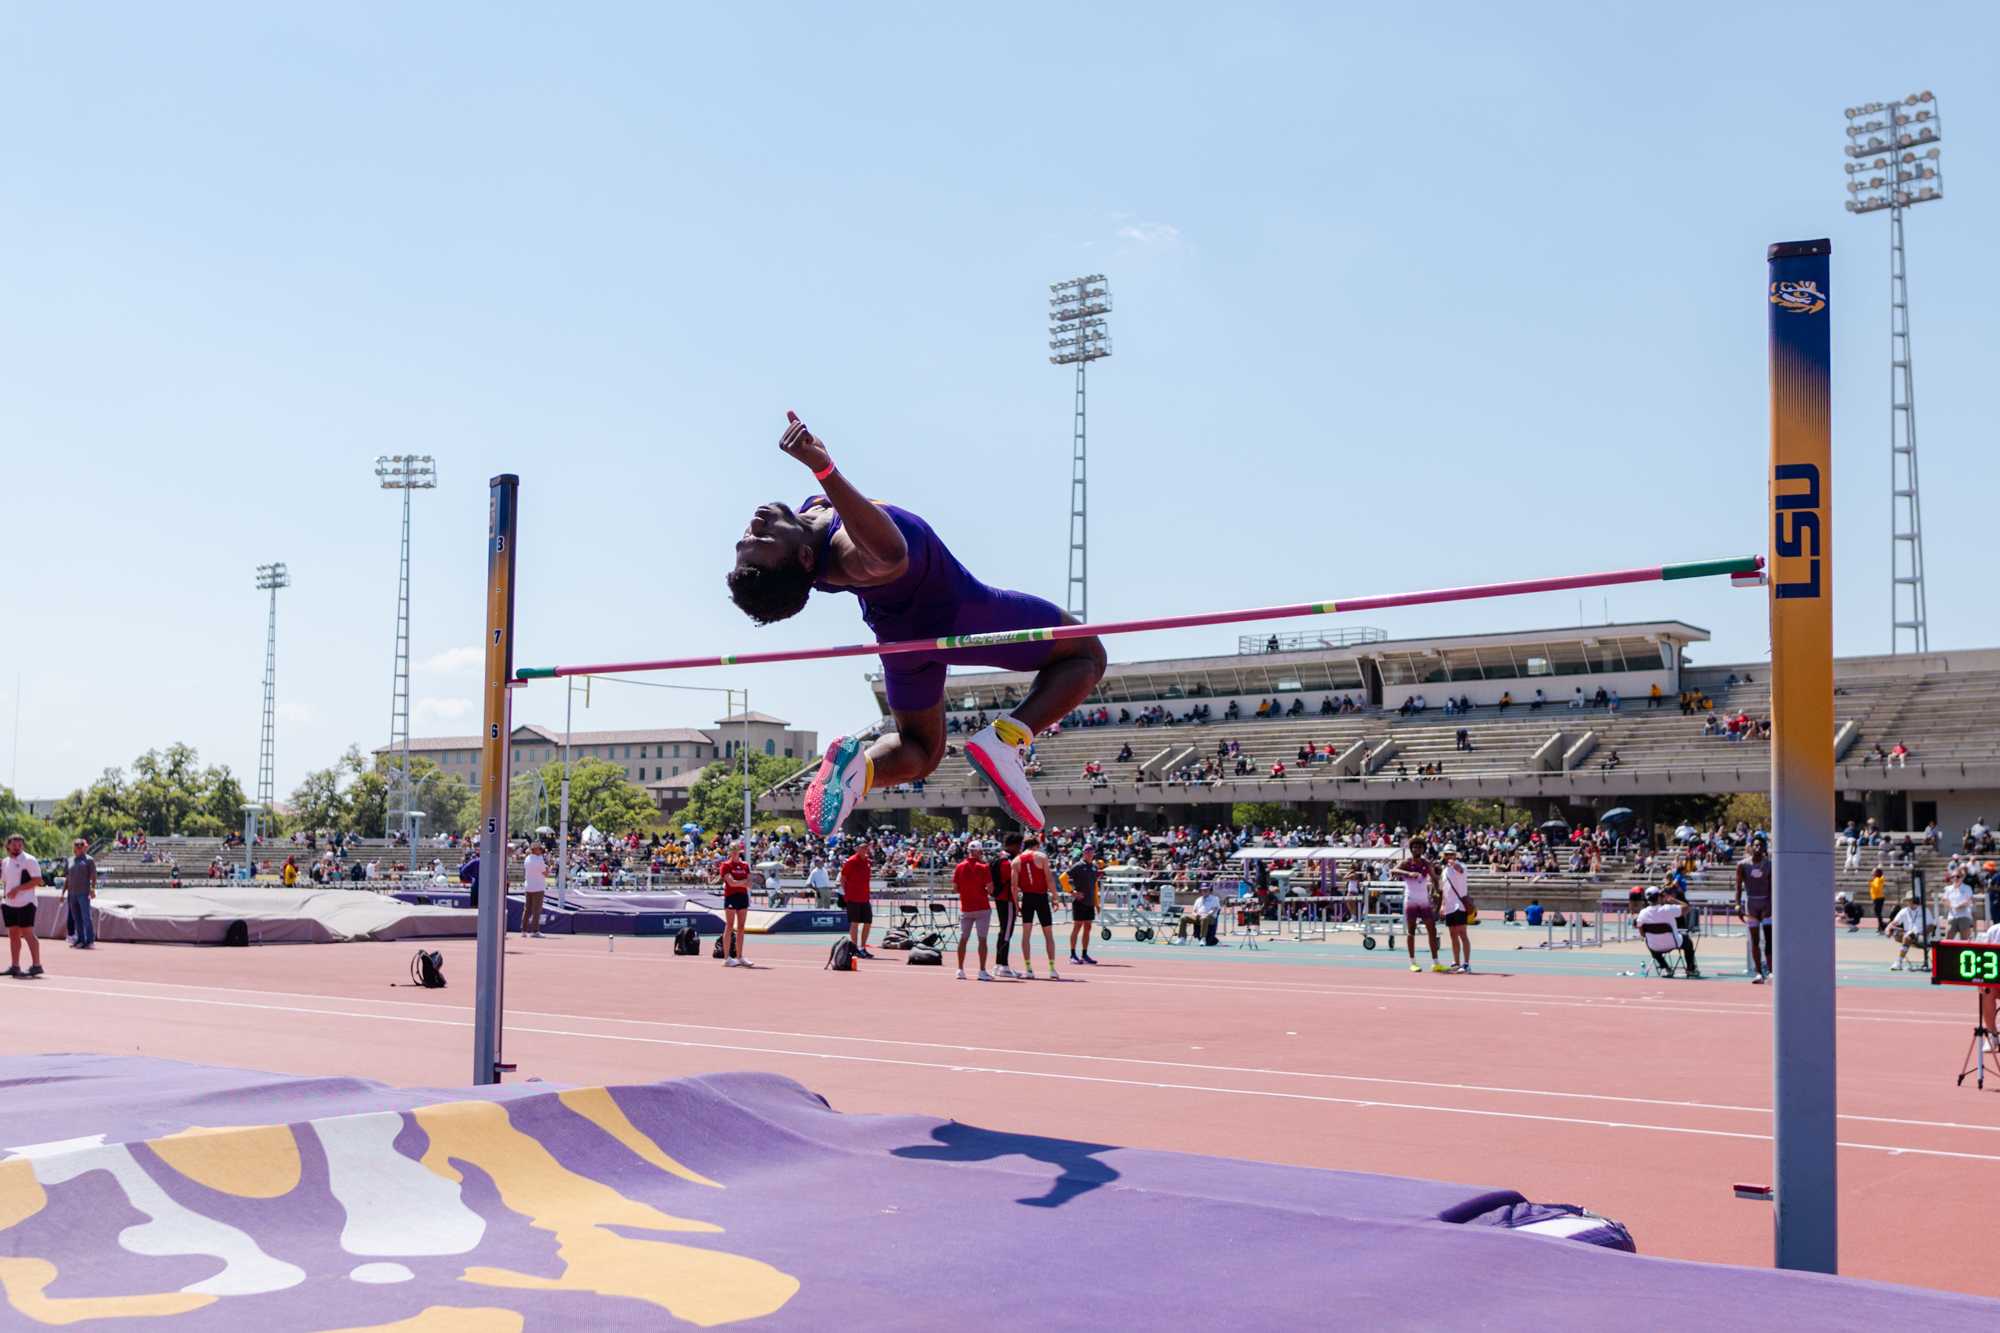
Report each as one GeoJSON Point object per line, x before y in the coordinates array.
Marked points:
{"type": "Point", "coordinates": [1966, 963]}
{"type": "Point", "coordinates": [1980, 964]}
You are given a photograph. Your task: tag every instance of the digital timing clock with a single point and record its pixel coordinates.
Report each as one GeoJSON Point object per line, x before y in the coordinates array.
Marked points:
{"type": "Point", "coordinates": [1965, 963]}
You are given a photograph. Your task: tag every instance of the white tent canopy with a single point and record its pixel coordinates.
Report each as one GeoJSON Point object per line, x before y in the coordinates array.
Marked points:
{"type": "Point", "coordinates": [1319, 854]}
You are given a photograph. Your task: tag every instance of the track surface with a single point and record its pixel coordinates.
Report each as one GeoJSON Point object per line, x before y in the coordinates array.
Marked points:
{"type": "Point", "coordinates": [1644, 1100]}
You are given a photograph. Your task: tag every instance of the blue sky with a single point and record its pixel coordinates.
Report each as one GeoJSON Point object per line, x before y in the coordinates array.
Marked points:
{"type": "Point", "coordinates": [1404, 298]}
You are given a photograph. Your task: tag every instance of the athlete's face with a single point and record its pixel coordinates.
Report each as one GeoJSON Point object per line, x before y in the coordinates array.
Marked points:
{"type": "Point", "coordinates": [774, 539]}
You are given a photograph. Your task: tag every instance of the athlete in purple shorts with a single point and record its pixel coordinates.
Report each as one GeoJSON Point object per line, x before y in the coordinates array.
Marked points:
{"type": "Point", "coordinates": [910, 587]}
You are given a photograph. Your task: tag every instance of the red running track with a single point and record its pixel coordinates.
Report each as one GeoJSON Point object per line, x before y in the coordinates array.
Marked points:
{"type": "Point", "coordinates": [1642, 1100]}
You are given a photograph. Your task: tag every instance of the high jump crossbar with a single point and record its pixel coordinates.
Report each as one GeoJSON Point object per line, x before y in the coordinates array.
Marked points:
{"type": "Point", "coordinates": [1696, 569]}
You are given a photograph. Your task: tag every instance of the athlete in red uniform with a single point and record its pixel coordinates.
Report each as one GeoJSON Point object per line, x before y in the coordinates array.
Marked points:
{"type": "Point", "coordinates": [734, 872]}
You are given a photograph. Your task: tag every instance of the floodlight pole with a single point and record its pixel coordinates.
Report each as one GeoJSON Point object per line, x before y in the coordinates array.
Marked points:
{"type": "Point", "coordinates": [405, 473]}
{"type": "Point", "coordinates": [1078, 335]}
{"type": "Point", "coordinates": [270, 578]}
{"type": "Point", "coordinates": [1899, 138]}
{"type": "Point", "coordinates": [1800, 565]}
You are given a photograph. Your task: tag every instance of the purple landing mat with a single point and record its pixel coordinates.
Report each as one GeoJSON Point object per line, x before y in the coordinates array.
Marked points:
{"type": "Point", "coordinates": [743, 1197]}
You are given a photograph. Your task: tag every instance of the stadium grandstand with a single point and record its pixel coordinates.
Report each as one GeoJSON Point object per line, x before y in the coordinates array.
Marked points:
{"type": "Point", "coordinates": [1569, 721]}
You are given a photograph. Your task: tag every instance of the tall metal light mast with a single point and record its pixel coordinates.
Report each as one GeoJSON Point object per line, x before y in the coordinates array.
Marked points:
{"type": "Point", "coordinates": [405, 473]}
{"type": "Point", "coordinates": [1893, 164]}
{"type": "Point", "coordinates": [270, 578]}
{"type": "Point", "coordinates": [1079, 335]}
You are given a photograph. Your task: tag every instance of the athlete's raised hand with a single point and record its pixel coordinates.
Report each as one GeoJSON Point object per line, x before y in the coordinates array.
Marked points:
{"type": "Point", "coordinates": [803, 445]}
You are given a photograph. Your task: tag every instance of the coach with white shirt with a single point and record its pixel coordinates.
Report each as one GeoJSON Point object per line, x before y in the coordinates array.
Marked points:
{"type": "Point", "coordinates": [20, 877]}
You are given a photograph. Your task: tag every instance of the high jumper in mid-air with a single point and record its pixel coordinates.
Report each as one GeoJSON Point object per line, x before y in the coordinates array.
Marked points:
{"type": "Point", "coordinates": [910, 586]}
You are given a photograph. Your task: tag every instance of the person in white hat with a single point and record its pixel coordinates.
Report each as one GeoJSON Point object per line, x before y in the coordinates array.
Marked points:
{"type": "Point", "coordinates": [1456, 904]}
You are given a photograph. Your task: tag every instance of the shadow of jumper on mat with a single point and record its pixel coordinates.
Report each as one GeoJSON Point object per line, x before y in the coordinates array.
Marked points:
{"type": "Point", "coordinates": [1081, 1170]}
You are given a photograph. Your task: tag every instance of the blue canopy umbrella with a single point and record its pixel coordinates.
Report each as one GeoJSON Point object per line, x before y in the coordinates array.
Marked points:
{"type": "Point", "coordinates": [1615, 816]}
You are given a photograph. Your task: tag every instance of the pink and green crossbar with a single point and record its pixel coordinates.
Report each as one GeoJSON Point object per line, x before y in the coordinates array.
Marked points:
{"type": "Point", "coordinates": [1696, 569]}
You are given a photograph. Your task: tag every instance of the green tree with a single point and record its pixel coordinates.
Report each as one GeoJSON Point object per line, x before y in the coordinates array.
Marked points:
{"type": "Point", "coordinates": [42, 839]}
{"type": "Point", "coordinates": [368, 804]}
{"type": "Point", "coordinates": [98, 812]}
{"type": "Point", "coordinates": [716, 799]}
{"type": "Point", "coordinates": [170, 788]}
{"type": "Point", "coordinates": [1262, 814]}
{"type": "Point", "coordinates": [448, 805]}
{"type": "Point", "coordinates": [600, 795]}
{"type": "Point", "coordinates": [319, 801]}
{"type": "Point", "coordinates": [1478, 813]}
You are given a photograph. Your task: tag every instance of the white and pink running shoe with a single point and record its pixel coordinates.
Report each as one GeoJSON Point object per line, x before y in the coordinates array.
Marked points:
{"type": "Point", "coordinates": [839, 785]}
{"type": "Point", "coordinates": [995, 754]}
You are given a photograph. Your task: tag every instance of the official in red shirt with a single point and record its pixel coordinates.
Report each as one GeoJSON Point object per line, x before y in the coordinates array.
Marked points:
{"type": "Point", "coordinates": [854, 872]}
{"type": "Point", "coordinates": [974, 881]}
{"type": "Point", "coordinates": [734, 872]}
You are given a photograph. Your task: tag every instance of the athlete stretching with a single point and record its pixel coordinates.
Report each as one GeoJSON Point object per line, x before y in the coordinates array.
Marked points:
{"type": "Point", "coordinates": [910, 587]}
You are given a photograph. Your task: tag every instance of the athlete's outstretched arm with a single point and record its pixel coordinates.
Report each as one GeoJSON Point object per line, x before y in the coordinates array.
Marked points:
{"type": "Point", "coordinates": [879, 552]}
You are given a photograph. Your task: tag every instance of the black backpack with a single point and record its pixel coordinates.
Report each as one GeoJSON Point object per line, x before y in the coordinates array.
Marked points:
{"type": "Point", "coordinates": [841, 958]}
{"type": "Point", "coordinates": [926, 958]}
{"type": "Point", "coordinates": [237, 936]}
{"type": "Point", "coordinates": [687, 941]}
{"type": "Point", "coordinates": [427, 969]}
{"type": "Point", "coordinates": [717, 951]}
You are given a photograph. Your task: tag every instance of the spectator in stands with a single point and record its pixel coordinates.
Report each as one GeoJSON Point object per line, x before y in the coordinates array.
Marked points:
{"type": "Point", "coordinates": [1271, 644]}
{"type": "Point", "coordinates": [1277, 768]}
{"type": "Point", "coordinates": [1611, 703]}
{"type": "Point", "coordinates": [854, 876]}
{"type": "Point", "coordinates": [1463, 741]}
{"type": "Point", "coordinates": [20, 879]}
{"type": "Point", "coordinates": [1653, 696]}
{"type": "Point", "coordinates": [1506, 700]}
{"type": "Point", "coordinates": [1326, 706]}
{"type": "Point", "coordinates": [1611, 761]}
{"type": "Point", "coordinates": [1899, 756]}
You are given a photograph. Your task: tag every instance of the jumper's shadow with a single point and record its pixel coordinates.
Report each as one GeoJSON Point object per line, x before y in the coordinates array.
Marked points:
{"type": "Point", "coordinates": [1081, 1169]}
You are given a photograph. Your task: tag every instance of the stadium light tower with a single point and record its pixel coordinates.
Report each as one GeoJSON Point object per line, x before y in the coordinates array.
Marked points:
{"type": "Point", "coordinates": [270, 578]}
{"type": "Point", "coordinates": [1893, 164]}
{"type": "Point", "coordinates": [405, 473]}
{"type": "Point", "coordinates": [1079, 335]}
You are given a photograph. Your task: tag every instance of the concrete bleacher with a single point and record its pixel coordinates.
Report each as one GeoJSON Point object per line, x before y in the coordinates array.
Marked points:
{"type": "Point", "coordinates": [1945, 708]}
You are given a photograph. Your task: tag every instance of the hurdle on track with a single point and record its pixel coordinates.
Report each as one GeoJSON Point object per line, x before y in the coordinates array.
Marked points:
{"type": "Point", "coordinates": [1799, 600]}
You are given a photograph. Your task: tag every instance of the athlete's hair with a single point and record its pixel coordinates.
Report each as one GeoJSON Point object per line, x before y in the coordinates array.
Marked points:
{"type": "Point", "coordinates": [770, 595]}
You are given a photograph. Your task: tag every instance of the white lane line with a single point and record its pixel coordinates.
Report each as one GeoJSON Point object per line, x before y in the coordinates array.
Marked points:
{"type": "Point", "coordinates": [1082, 1078]}
{"type": "Point", "coordinates": [790, 1035]}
